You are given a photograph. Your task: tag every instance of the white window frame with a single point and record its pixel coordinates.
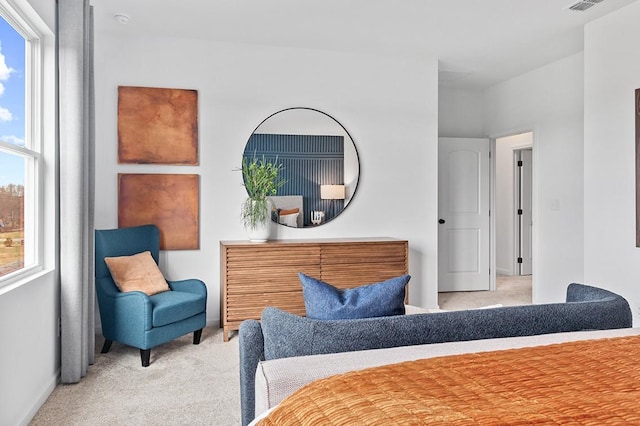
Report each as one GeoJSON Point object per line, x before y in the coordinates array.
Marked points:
{"type": "Point", "coordinates": [40, 140]}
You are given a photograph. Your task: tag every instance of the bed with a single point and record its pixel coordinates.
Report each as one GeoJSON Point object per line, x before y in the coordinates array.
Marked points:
{"type": "Point", "coordinates": [579, 378]}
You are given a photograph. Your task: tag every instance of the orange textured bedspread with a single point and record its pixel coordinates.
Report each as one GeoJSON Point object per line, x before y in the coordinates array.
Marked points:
{"type": "Point", "coordinates": [594, 382]}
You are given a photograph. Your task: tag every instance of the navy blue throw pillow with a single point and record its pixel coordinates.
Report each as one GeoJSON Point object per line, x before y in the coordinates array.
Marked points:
{"type": "Point", "coordinates": [325, 302]}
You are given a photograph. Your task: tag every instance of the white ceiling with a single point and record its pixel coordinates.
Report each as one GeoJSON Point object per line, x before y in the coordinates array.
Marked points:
{"type": "Point", "coordinates": [478, 43]}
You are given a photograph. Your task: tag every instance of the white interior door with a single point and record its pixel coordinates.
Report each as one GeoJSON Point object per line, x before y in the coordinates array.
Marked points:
{"type": "Point", "coordinates": [525, 215]}
{"type": "Point", "coordinates": [463, 207]}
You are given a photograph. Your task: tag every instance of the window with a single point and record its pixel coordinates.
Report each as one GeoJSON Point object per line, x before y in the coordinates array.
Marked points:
{"type": "Point", "coordinates": [20, 188]}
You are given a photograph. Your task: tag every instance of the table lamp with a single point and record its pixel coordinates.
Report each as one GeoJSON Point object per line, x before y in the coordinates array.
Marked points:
{"type": "Point", "coordinates": [332, 192]}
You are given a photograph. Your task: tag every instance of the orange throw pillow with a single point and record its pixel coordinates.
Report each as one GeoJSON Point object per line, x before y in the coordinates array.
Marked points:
{"type": "Point", "coordinates": [290, 211]}
{"type": "Point", "coordinates": [138, 272]}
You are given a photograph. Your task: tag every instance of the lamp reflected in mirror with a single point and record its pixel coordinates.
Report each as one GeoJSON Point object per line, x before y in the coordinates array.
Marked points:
{"type": "Point", "coordinates": [332, 193]}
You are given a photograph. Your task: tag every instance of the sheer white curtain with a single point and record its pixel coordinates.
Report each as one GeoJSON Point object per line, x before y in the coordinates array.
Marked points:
{"type": "Point", "coordinates": [76, 166]}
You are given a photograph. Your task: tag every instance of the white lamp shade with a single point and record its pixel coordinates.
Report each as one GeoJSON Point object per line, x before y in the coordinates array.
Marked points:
{"type": "Point", "coordinates": [332, 192]}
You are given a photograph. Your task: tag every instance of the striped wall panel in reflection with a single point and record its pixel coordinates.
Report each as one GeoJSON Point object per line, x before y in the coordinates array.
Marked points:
{"type": "Point", "coordinates": [309, 161]}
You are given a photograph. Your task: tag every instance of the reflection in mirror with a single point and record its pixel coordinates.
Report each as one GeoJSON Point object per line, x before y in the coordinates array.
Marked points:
{"type": "Point", "coordinates": [320, 164]}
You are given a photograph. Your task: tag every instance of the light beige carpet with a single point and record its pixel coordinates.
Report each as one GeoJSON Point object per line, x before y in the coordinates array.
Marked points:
{"type": "Point", "coordinates": [510, 291]}
{"type": "Point", "coordinates": [185, 384]}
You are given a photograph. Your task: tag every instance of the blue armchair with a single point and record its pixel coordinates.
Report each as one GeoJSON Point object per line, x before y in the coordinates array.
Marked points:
{"type": "Point", "coordinates": [134, 318]}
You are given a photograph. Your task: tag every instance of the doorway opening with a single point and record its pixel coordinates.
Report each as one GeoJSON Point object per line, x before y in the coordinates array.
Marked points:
{"type": "Point", "coordinates": [511, 226]}
{"type": "Point", "coordinates": [513, 201]}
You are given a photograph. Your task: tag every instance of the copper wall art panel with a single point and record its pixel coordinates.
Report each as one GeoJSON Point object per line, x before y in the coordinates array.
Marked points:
{"type": "Point", "coordinates": [170, 201]}
{"type": "Point", "coordinates": [157, 126]}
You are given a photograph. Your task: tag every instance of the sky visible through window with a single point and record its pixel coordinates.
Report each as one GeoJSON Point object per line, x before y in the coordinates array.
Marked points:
{"type": "Point", "coordinates": [12, 98]}
{"type": "Point", "coordinates": [12, 164]}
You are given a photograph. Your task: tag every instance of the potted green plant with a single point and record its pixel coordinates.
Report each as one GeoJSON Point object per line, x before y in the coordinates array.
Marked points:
{"type": "Point", "coordinates": [261, 179]}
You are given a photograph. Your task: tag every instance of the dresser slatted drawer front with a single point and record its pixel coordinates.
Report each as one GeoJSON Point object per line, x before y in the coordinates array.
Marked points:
{"type": "Point", "coordinates": [268, 279]}
{"type": "Point", "coordinates": [371, 253]}
{"type": "Point", "coordinates": [256, 275]}
{"type": "Point", "coordinates": [352, 265]}
{"type": "Point", "coordinates": [250, 306]}
{"type": "Point", "coordinates": [267, 256]}
{"type": "Point", "coordinates": [262, 269]}
{"type": "Point", "coordinates": [361, 274]}
{"type": "Point", "coordinates": [267, 275]}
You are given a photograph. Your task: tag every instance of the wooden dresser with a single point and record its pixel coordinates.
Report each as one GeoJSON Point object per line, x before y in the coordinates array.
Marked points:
{"type": "Point", "coordinates": [256, 275]}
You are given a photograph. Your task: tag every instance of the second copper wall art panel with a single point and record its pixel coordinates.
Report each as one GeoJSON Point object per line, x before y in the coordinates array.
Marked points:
{"type": "Point", "coordinates": [170, 201]}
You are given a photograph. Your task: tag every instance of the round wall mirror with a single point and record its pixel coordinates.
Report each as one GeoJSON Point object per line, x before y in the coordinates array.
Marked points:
{"type": "Point", "coordinates": [319, 164]}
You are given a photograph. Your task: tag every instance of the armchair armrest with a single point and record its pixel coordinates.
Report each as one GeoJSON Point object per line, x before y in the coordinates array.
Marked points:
{"type": "Point", "coordinates": [193, 286]}
{"type": "Point", "coordinates": [125, 316]}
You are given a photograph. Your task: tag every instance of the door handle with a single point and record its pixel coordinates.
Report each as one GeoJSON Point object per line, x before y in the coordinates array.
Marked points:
{"type": "Point", "coordinates": [441, 221]}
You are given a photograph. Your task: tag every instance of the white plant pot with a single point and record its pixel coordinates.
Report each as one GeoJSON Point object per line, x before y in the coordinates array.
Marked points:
{"type": "Point", "coordinates": [260, 233]}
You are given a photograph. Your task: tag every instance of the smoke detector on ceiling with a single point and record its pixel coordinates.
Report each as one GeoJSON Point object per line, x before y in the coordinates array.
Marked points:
{"type": "Point", "coordinates": [582, 5]}
{"type": "Point", "coordinates": [122, 18]}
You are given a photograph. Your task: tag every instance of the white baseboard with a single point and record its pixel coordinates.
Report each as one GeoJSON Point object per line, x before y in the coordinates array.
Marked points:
{"type": "Point", "coordinates": [503, 272]}
{"type": "Point", "coordinates": [41, 399]}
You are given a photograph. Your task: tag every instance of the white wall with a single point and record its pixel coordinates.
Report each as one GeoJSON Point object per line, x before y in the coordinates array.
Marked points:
{"type": "Point", "coordinates": [390, 113]}
{"type": "Point", "coordinates": [460, 113]}
{"type": "Point", "coordinates": [29, 359]}
{"type": "Point", "coordinates": [549, 101]}
{"type": "Point", "coordinates": [505, 200]}
{"type": "Point", "coordinates": [45, 10]}
{"type": "Point", "coordinates": [612, 259]}
{"type": "Point", "coordinates": [29, 310]}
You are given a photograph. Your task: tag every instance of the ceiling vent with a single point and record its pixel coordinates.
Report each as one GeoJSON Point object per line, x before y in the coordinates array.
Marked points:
{"type": "Point", "coordinates": [582, 5]}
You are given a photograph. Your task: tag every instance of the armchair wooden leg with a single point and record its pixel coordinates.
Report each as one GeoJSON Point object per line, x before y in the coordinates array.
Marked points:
{"type": "Point", "coordinates": [106, 346]}
{"type": "Point", "coordinates": [196, 336]}
{"type": "Point", "coordinates": [145, 354]}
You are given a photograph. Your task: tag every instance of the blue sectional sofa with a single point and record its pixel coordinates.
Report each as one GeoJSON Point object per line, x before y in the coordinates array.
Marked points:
{"type": "Point", "coordinates": [281, 335]}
